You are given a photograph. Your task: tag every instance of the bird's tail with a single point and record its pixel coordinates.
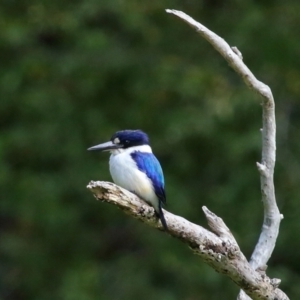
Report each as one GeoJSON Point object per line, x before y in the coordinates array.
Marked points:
{"type": "Point", "coordinates": [162, 217]}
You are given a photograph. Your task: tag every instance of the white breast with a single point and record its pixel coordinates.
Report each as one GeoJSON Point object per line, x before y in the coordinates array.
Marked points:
{"type": "Point", "coordinates": [125, 173]}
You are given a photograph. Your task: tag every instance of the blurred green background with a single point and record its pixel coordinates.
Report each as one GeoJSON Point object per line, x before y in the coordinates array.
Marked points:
{"type": "Point", "coordinates": [74, 72]}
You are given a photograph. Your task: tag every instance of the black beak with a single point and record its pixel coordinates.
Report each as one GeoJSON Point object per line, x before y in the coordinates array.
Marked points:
{"type": "Point", "coordinates": [105, 147]}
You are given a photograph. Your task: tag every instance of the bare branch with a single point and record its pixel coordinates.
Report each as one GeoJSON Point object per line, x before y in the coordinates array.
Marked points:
{"type": "Point", "coordinates": [272, 217]}
{"type": "Point", "coordinates": [230, 56]}
{"type": "Point", "coordinates": [220, 250]}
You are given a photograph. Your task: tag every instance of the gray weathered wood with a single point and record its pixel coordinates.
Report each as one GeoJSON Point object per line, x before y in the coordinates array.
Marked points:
{"type": "Point", "coordinates": [218, 248]}
{"type": "Point", "coordinates": [270, 228]}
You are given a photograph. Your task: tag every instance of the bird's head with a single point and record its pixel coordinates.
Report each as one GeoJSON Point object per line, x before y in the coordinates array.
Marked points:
{"type": "Point", "coordinates": [122, 140]}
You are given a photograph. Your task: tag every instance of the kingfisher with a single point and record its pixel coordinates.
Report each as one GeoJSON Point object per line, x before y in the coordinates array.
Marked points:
{"type": "Point", "coordinates": [134, 167]}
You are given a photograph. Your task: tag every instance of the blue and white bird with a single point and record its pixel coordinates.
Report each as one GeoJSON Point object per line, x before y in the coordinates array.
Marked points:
{"type": "Point", "coordinates": [134, 167]}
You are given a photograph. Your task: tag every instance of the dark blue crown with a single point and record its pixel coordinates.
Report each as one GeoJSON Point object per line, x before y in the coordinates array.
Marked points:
{"type": "Point", "coordinates": [130, 138]}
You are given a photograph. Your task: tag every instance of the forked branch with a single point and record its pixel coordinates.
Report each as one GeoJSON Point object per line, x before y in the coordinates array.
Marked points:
{"type": "Point", "coordinates": [217, 247]}
{"type": "Point", "coordinates": [272, 217]}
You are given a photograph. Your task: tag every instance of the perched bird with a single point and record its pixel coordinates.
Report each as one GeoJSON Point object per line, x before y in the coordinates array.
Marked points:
{"type": "Point", "coordinates": [134, 167]}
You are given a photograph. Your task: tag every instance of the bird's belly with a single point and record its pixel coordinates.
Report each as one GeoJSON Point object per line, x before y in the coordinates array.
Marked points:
{"type": "Point", "coordinates": [125, 173]}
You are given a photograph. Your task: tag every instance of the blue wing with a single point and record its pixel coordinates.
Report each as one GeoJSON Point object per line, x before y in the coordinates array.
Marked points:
{"type": "Point", "coordinates": [148, 163]}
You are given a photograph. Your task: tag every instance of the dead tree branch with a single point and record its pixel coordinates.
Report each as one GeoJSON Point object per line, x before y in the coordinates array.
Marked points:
{"type": "Point", "coordinates": [217, 247]}
{"type": "Point", "coordinates": [272, 217]}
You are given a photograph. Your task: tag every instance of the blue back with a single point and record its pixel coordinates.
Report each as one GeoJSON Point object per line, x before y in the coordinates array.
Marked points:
{"type": "Point", "coordinates": [148, 163]}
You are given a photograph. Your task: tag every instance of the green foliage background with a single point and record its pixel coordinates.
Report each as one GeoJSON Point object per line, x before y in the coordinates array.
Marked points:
{"type": "Point", "coordinates": [74, 72]}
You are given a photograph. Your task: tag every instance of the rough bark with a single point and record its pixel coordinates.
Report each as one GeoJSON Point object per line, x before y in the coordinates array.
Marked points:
{"type": "Point", "coordinates": [270, 228]}
{"type": "Point", "coordinates": [217, 247]}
